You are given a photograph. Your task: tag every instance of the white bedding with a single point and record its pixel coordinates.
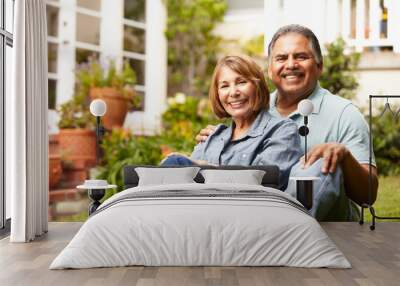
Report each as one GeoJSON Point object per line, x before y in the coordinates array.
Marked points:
{"type": "Point", "coordinates": [187, 230]}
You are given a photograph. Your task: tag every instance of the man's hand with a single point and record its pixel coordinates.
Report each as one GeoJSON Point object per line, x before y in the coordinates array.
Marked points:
{"type": "Point", "coordinates": [333, 154]}
{"type": "Point", "coordinates": [204, 133]}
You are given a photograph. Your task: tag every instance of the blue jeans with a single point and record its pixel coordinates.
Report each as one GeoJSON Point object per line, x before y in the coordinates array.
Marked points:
{"type": "Point", "coordinates": [177, 160]}
{"type": "Point", "coordinates": [330, 202]}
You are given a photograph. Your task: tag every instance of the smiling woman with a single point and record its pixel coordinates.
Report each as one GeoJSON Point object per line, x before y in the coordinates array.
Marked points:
{"type": "Point", "coordinates": [239, 91]}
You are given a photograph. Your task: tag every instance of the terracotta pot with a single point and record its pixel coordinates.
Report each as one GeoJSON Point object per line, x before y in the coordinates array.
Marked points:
{"type": "Point", "coordinates": [78, 145]}
{"type": "Point", "coordinates": [54, 170]}
{"type": "Point", "coordinates": [73, 175]}
{"type": "Point", "coordinates": [117, 105]}
{"type": "Point", "coordinates": [54, 146]}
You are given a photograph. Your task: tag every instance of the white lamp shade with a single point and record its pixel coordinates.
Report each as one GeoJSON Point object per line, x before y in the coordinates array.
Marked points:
{"type": "Point", "coordinates": [305, 107]}
{"type": "Point", "coordinates": [98, 107]}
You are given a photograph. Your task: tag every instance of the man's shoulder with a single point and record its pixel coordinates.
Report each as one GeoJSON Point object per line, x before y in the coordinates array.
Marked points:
{"type": "Point", "coordinates": [333, 101]}
{"type": "Point", "coordinates": [280, 122]}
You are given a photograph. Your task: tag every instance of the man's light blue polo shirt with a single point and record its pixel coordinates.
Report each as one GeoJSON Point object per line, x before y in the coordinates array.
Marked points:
{"type": "Point", "coordinates": [334, 119]}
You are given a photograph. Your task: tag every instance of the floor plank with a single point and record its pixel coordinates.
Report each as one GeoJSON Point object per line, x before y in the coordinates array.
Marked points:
{"type": "Point", "coordinates": [374, 255]}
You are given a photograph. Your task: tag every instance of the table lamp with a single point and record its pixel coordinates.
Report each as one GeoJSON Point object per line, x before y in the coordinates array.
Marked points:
{"type": "Point", "coordinates": [98, 108]}
{"type": "Point", "coordinates": [304, 185]}
{"type": "Point", "coordinates": [97, 188]}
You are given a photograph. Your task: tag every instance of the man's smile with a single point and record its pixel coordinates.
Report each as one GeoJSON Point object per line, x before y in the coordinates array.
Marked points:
{"type": "Point", "coordinates": [292, 75]}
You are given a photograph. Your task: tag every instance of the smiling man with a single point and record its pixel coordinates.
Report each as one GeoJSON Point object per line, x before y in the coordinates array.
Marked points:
{"type": "Point", "coordinates": [338, 132]}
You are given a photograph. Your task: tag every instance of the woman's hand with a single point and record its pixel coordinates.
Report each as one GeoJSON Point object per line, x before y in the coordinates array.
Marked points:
{"type": "Point", "coordinates": [204, 133]}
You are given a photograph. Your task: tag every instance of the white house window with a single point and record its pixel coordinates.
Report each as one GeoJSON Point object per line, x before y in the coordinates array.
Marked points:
{"type": "Point", "coordinates": [135, 10]}
{"type": "Point", "coordinates": [88, 28]}
{"type": "Point", "coordinates": [83, 55]}
{"type": "Point", "coordinates": [109, 30]}
{"type": "Point", "coordinates": [88, 22]}
{"type": "Point", "coordinates": [134, 43]}
{"type": "Point", "coordinates": [52, 15]}
{"type": "Point", "coordinates": [90, 4]}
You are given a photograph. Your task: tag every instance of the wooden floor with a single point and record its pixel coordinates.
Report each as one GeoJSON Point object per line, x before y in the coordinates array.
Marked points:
{"type": "Point", "coordinates": [374, 255]}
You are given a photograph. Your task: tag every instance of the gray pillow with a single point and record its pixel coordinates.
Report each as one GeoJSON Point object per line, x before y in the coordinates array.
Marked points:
{"type": "Point", "coordinates": [166, 176]}
{"type": "Point", "coordinates": [248, 177]}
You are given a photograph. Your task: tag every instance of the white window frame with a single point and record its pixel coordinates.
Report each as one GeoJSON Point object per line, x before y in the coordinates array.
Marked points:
{"type": "Point", "coordinates": [112, 24]}
{"type": "Point", "coordinates": [6, 38]}
{"type": "Point", "coordinates": [136, 56]}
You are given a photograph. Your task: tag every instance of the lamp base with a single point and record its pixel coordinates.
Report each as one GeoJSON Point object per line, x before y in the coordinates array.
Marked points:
{"type": "Point", "coordinates": [304, 193]}
{"type": "Point", "coordinates": [95, 195]}
{"type": "Point", "coordinates": [304, 190]}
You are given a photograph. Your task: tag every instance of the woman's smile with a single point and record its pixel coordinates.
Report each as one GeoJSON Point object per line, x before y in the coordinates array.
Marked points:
{"type": "Point", "coordinates": [237, 104]}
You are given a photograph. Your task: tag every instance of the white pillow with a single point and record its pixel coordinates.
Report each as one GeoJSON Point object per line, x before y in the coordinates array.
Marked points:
{"type": "Point", "coordinates": [248, 177]}
{"type": "Point", "coordinates": [166, 176]}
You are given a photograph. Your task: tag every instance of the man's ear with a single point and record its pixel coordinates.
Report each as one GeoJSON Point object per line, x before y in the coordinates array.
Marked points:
{"type": "Point", "coordinates": [321, 68]}
{"type": "Point", "coordinates": [269, 71]}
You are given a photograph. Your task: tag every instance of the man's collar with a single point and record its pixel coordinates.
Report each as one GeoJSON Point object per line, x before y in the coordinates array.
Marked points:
{"type": "Point", "coordinates": [316, 98]}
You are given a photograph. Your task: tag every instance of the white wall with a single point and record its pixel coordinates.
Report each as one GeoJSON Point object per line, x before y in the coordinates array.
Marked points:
{"type": "Point", "coordinates": [320, 16]}
{"type": "Point", "coordinates": [377, 82]}
{"type": "Point", "coordinates": [242, 25]}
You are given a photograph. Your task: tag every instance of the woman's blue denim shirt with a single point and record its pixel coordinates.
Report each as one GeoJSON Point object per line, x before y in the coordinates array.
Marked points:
{"type": "Point", "coordinates": [269, 141]}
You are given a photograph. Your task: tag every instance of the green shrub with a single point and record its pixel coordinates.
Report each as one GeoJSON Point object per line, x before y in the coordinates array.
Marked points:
{"type": "Point", "coordinates": [182, 121]}
{"type": "Point", "coordinates": [192, 45]}
{"type": "Point", "coordinates": [386, 139]}
{"type": "Point", "coordinates": [338, 74]}
{"type": "Point", "coordinates": [122, 148]}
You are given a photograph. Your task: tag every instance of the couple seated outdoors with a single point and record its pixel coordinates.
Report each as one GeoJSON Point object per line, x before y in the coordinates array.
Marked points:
{"type": "Point", "coordinates": [264, 127]}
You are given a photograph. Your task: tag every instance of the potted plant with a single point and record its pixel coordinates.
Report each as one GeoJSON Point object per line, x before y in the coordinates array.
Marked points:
{"type": "Point", "coordinates": [55, 169]}
{"type": "Point", "coordinates": [113, 86]}
{"type": "Point", "coordinates": [77, 139]}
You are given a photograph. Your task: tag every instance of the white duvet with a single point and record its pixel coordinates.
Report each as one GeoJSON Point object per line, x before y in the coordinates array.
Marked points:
{"type": "Point", "coordinates": [185, 230]}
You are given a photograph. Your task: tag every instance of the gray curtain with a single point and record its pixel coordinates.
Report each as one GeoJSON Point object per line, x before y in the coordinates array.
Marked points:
{"type": "Point", "coordinates": [26, 119]}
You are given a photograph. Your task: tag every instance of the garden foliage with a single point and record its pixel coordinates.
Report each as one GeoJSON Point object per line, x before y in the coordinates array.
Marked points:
{"type": "Point", "coordinates": [183, 119]}
{"type": "Point", "coordinates": [386, 139]}
{"type": "Point", "coordinates": [338, 74]}
{"type": "Point", "coordinates": [192, 46]}
{"type": "Point", "coordinates": [122, 148]}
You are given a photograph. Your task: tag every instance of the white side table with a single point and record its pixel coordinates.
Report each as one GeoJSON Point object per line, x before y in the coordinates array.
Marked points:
{"type": "Point", "coordinates": [96, 190]}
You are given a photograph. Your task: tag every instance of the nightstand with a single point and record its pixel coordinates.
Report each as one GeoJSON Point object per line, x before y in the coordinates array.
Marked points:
{"type": "Point", "coordinates": [96, 190]}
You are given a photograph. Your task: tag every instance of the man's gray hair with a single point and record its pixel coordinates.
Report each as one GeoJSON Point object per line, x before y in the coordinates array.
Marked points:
{"type": "Point", "coordinates": [298, 29]}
